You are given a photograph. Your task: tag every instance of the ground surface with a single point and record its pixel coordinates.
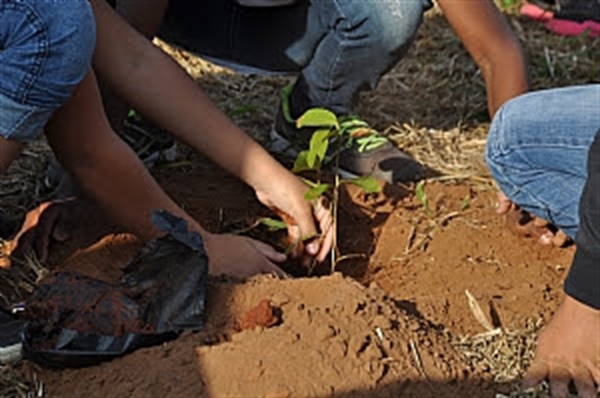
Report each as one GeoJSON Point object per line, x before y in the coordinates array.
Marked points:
{"type": "Point", "coordinates": [396, 337]}
{"type": "Point", "coordinates": [437, 300]}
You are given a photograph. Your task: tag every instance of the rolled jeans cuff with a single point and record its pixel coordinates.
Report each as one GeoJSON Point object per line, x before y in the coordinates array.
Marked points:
{"type": "Point", "coordinates": [22, 122]}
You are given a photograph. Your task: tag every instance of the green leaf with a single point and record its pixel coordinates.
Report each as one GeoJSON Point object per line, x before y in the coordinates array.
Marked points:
{"type": "Point", "coordinates": [318, 148]}
{"type": "Point", "coordinates": [132, 114]}
{"type": "Point", "coordinates": [367, 183]}
{"type": "Point", "coordinates": [273, 224]}
{"type": "Point", "coordinates": [316, 191]}
{"type": "Point", "coordinates": [301, 163]}
{"type": "Point", "coordinates": [241, 110]}
{"type": "Point", "coordinates": [421, 195]}
{"type": "Point", "coordinates": [508, 3]}
{"type": "Point", "coordinates": [284, 96]}
{"type": "Point", "coordinates": [318, 117]}
{"type": "Point", "coordinates": [465, 202]}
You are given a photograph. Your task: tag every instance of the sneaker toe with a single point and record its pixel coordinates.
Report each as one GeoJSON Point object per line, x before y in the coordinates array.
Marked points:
{"type": "Point", "coordinates": [388, 163]}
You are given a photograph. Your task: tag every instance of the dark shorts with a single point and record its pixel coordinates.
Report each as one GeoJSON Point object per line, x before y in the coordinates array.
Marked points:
{"type": "Point", "coordinates": [224, 30]}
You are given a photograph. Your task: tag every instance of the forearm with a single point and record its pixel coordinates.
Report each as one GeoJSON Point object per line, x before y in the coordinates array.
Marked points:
{"type": "Point", "coordinates": [106, 169]}
{"type": "Point", "coordinates": [505, 76]}
{"type": "Point", "coordinates": [493, 46]}
{"type": "Point", "coordinates": [127, 63]}
{"type": "Point", "coordinates": [9, 150]}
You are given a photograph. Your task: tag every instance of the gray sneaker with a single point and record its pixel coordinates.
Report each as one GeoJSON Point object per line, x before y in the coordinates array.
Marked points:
{"type": "Point", "coordinates": [369, 153]}
{"type": "Point", "coordinates": [10, 338]}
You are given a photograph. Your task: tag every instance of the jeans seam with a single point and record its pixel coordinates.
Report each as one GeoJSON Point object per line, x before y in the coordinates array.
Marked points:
{"type": "Point", "coordinates": [18, 124]}
{"type": "Point", "coordinates": [336, 59]}
{"type": "Point", "coordinates": [42, 51]}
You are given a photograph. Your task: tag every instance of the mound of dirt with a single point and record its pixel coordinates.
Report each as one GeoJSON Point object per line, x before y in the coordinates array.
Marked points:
{"type": "Point", "coordinates": [336, 338]}
{"type": "Point", "coordinates": [328, 336]}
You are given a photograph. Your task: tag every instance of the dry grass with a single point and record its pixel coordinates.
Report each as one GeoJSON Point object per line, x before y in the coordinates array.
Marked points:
{"type": "Point", "coordinates": [15, 384]}
{"type": "Point", "coordinates": [433, 105]}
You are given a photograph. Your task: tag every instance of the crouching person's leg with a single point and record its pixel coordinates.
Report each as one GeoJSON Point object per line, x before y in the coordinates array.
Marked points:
{"type": "Point", "coordinates": [104, 166]}
{"type": "Point", "coordinates": [9, 150]}
{"type": "Point", "coordinates": [46, 50]}
{"type": "Point", "coordinates": [537, 151]}
{"type": "Point", "coordinates": [348, 47]}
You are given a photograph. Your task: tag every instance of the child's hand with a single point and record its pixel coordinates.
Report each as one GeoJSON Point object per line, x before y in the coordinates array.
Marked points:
{"type": "Point", "coordinates": [286, 198]}
{"type": "Point", "coordinates": [240, 257]}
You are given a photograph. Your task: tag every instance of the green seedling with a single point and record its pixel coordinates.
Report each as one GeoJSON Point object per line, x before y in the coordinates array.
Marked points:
{"type": "Point", "coordinates": [422, 196]}
{"type": "Point", "coordinates": [342, 132]}
{"type": "Point", "coordinates": [506, 4]}
{"type": "Point", "coordinates": [466, 202]}
{"type": "Point", "coordinates": [272, 224]}
{"type": "Point", "coordinates": [241, 110]}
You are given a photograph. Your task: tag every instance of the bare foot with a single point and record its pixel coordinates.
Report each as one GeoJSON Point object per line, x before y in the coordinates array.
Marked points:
{"type": "Point", "coordinates": [523, 223]}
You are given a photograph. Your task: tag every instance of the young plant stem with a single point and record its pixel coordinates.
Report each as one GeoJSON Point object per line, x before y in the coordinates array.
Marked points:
{"type": "Point", "coordinates": [336, 198]}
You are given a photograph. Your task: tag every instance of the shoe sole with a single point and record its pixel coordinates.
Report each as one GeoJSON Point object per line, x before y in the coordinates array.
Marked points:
{"type": "Point", "coordinates": [11, 354]}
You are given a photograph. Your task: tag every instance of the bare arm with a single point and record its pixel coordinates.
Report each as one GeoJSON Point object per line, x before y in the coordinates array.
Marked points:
{"type": "Point", "coordinates": [105, 167]}
{"type": "Point", "coordinates": [493, 46]}
{"type": "Point", "coordinates": [110, 173]}
{"type": "Point", "coordinates": [9, 150]}
{"type": "Point", "coordinates": [149, 80]}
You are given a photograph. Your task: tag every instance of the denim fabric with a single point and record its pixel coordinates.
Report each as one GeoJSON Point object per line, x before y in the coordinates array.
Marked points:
{"type": "Point", "coordinates": [537, 151]}
{"type": "Point", "coordinates": [46, 48]}
{"type": "Point", "coordinates": [350, 44]}
{"type": "Point", "coordinates": [339, 46]}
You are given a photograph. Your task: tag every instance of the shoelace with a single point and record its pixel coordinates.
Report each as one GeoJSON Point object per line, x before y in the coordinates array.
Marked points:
{"type": "Point", "coordinates": [361, 134]}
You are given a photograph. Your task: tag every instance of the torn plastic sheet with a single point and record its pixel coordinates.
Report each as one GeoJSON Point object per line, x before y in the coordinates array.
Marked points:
{"type": "Point", "coordinates": [76, 320]}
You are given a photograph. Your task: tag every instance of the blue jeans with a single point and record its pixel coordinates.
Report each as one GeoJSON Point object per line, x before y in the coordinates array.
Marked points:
{"type": "Point", "coordinates": [537, 151]}
{"type": "Point", "coordinates": [46, 48]}
{"type": "Point", "coordinates": [339, 47]}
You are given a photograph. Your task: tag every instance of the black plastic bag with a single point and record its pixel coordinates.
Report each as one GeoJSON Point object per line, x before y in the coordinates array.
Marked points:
{"type": "Point", "coordinates": [78, 321]}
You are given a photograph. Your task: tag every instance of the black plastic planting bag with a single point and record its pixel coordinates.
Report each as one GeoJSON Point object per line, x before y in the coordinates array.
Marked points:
{"type": "Point", "coordinates": [78, 321]}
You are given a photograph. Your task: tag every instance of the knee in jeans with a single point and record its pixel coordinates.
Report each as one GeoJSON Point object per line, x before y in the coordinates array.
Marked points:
{"type": "Point", "coordinates": [502, 136]}
{"type": "Point", "coordinates": [390, 26]}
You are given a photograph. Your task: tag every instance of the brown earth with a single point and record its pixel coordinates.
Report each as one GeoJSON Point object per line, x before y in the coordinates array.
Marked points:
{"type": "Point", "coordinates": [384, 332]}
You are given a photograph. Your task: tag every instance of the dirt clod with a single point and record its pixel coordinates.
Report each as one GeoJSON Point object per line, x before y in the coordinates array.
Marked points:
{"type": "Point", "coordinates": [263, 315]}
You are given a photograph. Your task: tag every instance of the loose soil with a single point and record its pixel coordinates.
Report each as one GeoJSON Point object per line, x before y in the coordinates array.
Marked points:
{"type": "Point", "coordinates": [388, 323]}
{"type": "Point", "coordinates": [381, 326]}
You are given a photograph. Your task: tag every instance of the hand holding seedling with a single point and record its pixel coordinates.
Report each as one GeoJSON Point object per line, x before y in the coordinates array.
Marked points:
{"type": "Point", "coordinates": [341, 131]}
{"type": "Point", "coordinates": [287, 200]}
